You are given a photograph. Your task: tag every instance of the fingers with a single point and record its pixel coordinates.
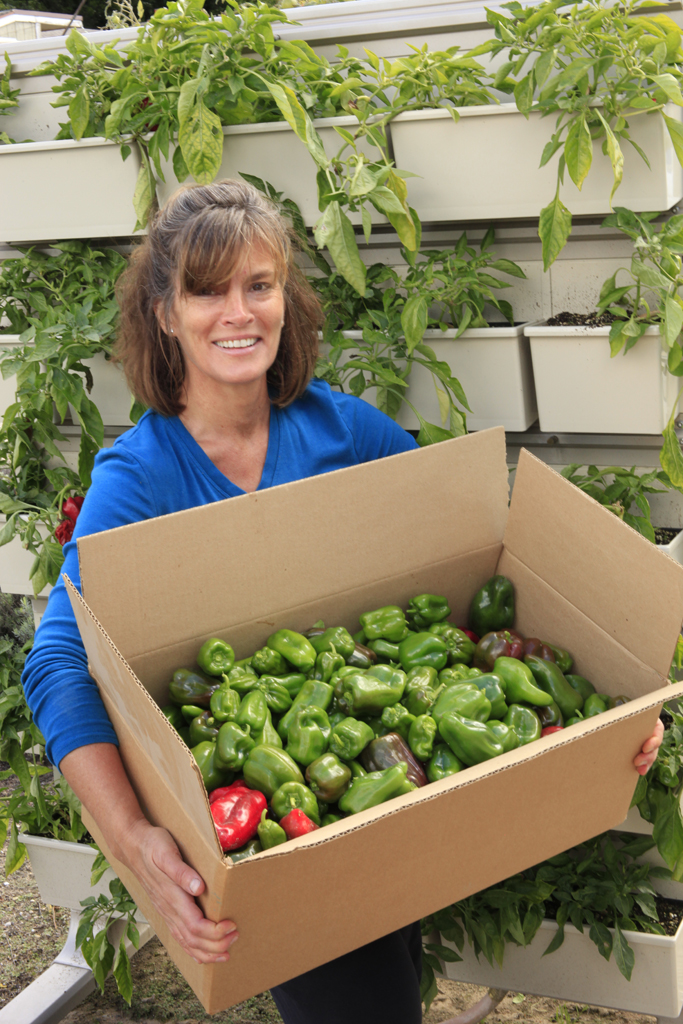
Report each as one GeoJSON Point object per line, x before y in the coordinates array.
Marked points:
{"type": "Point", "coordinates": [171, 883]}
{"type": "Point", "coordinates": [648, 753]}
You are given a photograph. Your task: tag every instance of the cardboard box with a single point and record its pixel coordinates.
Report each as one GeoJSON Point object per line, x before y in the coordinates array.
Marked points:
{"type": "Point", "coordinates": [331, 547]}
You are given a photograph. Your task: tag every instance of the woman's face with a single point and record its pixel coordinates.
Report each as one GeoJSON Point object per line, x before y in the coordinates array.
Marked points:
{"type": "Point", "coordinates": [231, 336]}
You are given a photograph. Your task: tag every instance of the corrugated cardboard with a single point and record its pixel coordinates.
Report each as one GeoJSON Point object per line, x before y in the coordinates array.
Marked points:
{"type": "Point", "coordinates": [330, 547]}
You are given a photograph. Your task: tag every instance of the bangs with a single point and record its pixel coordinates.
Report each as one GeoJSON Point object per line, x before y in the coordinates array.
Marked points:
{"type": "Point", "coordinates": [216, 246]}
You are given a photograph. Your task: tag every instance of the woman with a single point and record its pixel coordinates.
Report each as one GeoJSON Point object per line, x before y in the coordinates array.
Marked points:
{"type": "Point", "coordinates": [218, 337]}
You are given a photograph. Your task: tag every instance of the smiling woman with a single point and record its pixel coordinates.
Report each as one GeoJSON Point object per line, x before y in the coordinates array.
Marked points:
{"type": "Point", "coordinates": [218, 336]}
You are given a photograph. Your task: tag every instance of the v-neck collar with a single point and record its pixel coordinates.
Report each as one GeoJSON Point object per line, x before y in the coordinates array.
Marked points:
{"type": "Point", "coordinates": [181, 434]}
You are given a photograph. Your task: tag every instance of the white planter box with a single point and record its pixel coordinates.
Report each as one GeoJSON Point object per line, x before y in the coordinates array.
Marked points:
{"type": "Point", "coordinates": [273, 152]}
{"type": "Point", "coordinates": [576, 972]}
{"type": "Point", "coordinates": [580, 388]}
{"type": "Point", "coordinates": [674, 549]}
{"type": "Point", "coordinates": [66, 189]}
{"type": "Point", "coordinates": [62, 871]}
{"type": "Point", "coordinates": [15, 565]}
{"type": "Point", "coordinates": [35, 119]}
{"type": "Point", "coordinates": [486, 165]}
{"type": "Point", "coordinates": [493, 364]}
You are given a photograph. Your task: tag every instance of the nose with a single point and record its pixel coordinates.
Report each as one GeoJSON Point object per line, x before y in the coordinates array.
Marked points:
{"type": "Point", "coordinates": [235, 307]}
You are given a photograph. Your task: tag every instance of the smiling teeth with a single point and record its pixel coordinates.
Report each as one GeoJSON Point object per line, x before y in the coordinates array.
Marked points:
{"type": "Point", "coordinates": [237, 343]}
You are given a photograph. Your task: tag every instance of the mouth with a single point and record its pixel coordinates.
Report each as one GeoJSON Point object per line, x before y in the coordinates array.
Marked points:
{"type": "Point", "coordinates": [233, 343]}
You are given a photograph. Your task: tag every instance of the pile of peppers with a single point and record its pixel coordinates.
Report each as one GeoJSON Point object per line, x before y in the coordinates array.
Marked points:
{"type": "Point", "coordinates": [315, 727]}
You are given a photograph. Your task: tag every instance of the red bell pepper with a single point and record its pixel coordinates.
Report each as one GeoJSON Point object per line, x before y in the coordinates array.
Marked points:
{"type": "Point", "coordinates": [296, 823]}
{"type": "Point", "coordinates": [550, 729]}
{"type": "Point", "coordinates": [468, 632]}
{"type": "Point", "coordinates": [236, 814]}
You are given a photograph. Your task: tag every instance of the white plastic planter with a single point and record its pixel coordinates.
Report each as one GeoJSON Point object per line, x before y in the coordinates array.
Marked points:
{"type": "Point", "coordinates": [576, 972]}
{"type": "Point", "coordinates": [674, 549]}
{"type": "Point", "coordinates": [15, 565]}
{"type": "Point", "coordinates": [66, 189]}
{"type": "Point", "coordinates": [62, 871]}
{"type": "Point", "coordinates": [580, 388]}
{"type": "Point", "coordinates": [486, 165]}
{"type": "Point", "coordinates": [273, 152]}
{"type": "Point", "coordinates": [493, 364]}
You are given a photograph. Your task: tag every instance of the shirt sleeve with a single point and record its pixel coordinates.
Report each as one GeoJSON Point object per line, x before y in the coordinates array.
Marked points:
{"type": "Point", "coordinates": [63, 698]}
{"type": "Point", "coordinates": [375, 435]}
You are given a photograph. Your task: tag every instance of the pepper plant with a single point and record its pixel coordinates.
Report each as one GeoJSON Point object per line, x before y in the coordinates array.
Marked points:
{"type": "Point", "coordinates": [619, 489]}
{"type": "Point", "coordinates": [595, 67]}
{"type": "Point", "coordinates": [9, 97]}
{"type": "Point", "coordinates": [93, 938]}
{"type": "Point", "coordinates": [598, 884]}
{"type": "Point", "coordinates": [63, 305]}
{"type": "Point", "coordinates": [658, 794]}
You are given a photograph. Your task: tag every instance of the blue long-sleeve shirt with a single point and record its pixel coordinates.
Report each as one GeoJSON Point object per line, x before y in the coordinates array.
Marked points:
{"type": "Point", "coordinates": [158, 468]}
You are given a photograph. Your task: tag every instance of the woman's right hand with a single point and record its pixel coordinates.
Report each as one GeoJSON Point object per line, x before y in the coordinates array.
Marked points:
{"type": "Point", "coordinates": [171, 884]}
{"type": "Point", "coordinates": [98, 778]}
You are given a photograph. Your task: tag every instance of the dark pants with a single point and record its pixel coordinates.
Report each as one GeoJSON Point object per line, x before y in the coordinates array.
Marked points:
{"type": "Point", "coordinates": [376, 983]}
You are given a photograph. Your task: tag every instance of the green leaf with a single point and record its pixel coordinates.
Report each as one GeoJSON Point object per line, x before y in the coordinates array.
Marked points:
{"type": "Point", "coordinates": [367, 223]}
{"type": "Point", "coordinates": [623, 954]}
{"type": "Point", "coordinates": [507, 267]}
{"type": "Point", "coordinates": [568, 77]}
{"type": "Point", "coordinates": [386, 201]}
{"type": "Point", "coordinates": [8, 531]}
{"type": "Point", "coordinates": [414, 320]}
{"type": "Point", "coordinates": [554, 227]}
{"type": "Point", "coordinates": [16, 851]}
{"type": "Point", "coordinates": [46, 566]}
{"type": "Point", "coordinates": [429, 433]}
{"type": "Point", "coordinates": [17, 763]}
{"type": "Point", "coordinates": [615, 154]}
{"type": "Point", "coordinates": [555, 942]}
{"type": "Point", "coordinates": [201, 140]}
{"type": "Point", "coordinates": [524, 94]}
{"type": "Point", "coordinates": [124, 981]}
{"type": "Point", "coordinates": [79, 112]}
{"type": "Point", "coordinates": [335, 230]}
{"type": "Point", "coordinates": [428, 988]}
{"type": "Point", "coordinates": [668, 84]}
{"type": "Point", "coordinates": [602, 937]}
{"type": "Point", "coordinates": [179, 166]}
{"type": "Point", "coordinates": [186, 100]}
{"type": "Point", "coordinates": [676, 133]}
{"type": "Point", "coordinates": [144, 194]}
{"type": "Point", "coordinates": [667, 829]}
{"type": "Point", "coordinates": [578, 150]}
{"type": "Point", "coordinates": [673, 320]}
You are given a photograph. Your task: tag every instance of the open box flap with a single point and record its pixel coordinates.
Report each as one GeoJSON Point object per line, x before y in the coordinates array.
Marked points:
{"type": "Point", "coordinates": [631, 590]}
{"type": "Point", "coordinates": [163, 772]}
{"type": "Point", "coordinates": [405, 512]}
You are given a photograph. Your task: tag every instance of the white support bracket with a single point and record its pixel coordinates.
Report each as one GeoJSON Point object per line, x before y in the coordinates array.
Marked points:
{"type": "Point", "coordinates": [66, 983]}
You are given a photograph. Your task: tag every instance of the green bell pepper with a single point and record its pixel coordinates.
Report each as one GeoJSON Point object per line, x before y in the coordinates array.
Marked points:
{"type": "Point", "coordinates": [328, 778]}
{"type": "Point", "coordinates": [215, 657]}
{"type": "Point", "coordinates": [595, 705]}
{"type": "Point", "coordinates": [267, 662]}
{"type": "Point", "coordinates": [326, 664]}
{"type": "Point", "coordinates": [525, 722]}
{"type": "Point", "coordinates": [368, 693]}
{"type": "Point", "coordinates": [313, 693]}
{"type": "Point", "coordinates": [241, 679]}
{"type": "Point", "coordinates": [458, 674]}
{"type": "Point", "coordinates": [581, 685]}
{"type": "Point", "coordinates": [357, 769]}
{"type": "Point", "coordinates": [349, 738]}
{"type": "Point", "coordinates": [204, 754]}
{"type": "Point", "coordinates": [362, 657]}
{"type": "Point", "coordinates": [330, 819]}
{"type": "Point", "coordinates": [292, 682]}
{"type": "Point", "coordinates": [268, 735]}
{"type": "Point", "coordinates": [388, 623]}
{"type": "Point", "coordinates": [470, 741]}
{"type": "Point", "coordinates": [549, 678]}
{"type": "Point", "coordinates": [249, 849]}
{"type": "Point", "coordinates": [308, 735]}
{"type": "Point", "coordinates": [188, 687]}
{"type": "Point", "coordinates": [518, 682]}
{"type": "Point", "coordinates": [426, 609]}
{"type": "Point", "coordinates": [374, 788]}
{"type": "Point", "coordinates": [202, 728]}
{"type": "Point", "coordinates": [421, 737]}
{"type": "Point", "coordinates": [493, 607]}
{"type": "Point", "coordinates": [277, 696]}
{"type": "Point", "coordinates": [550, 716]}
{"type": "Point", "coordinates": [336, 637]}
{"type": "Point", "coordinates": [225, 703]}
{"type": "Point", "coordinates": [190, 711]}
{"type": "Point", "coordinates": [467, 700]}
{"type": "Point", "coordinates": [252, 711]}
{"type": "Point", "coordinates": [270, 833]}
{"type": "Point", "coordinates": [294, 647]}
{"type": "Point", "coordinates": [460, 648]}
{"type": "Point", "coordinates": [442, 763]}
{"type": "Point", "coordinates": [492, 686]}
{"type": "Point", "coordinates": [423, 649]}
{"type": "Point", "coordinates": [384, 650]}
{"type": "Point", "coordinates": [233, 746]}
{"type": "Point", "coordinates": [503, 734]}
{"type": "Point", "coordinates": [175, 716]}
{"type": "Point", "coordinates": [398, 719]}
{"type": "Point", "coordinates": [268, 768]}
{"type": "Point", "coordinates": [563, 659]}
{"type": "Point", "coordinates": [295, 794]}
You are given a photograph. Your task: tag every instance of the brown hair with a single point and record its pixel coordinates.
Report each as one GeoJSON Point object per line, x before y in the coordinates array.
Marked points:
{"type": "Point", "coordinates": [198, 240]}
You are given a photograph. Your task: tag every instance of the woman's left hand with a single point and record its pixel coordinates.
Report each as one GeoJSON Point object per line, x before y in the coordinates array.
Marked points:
{"type": "Point", "coordinates": [646, 758]}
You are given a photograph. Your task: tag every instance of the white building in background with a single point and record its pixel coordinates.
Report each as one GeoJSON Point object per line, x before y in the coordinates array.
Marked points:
{"type": "Point", "coordinates": [19, 25]}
